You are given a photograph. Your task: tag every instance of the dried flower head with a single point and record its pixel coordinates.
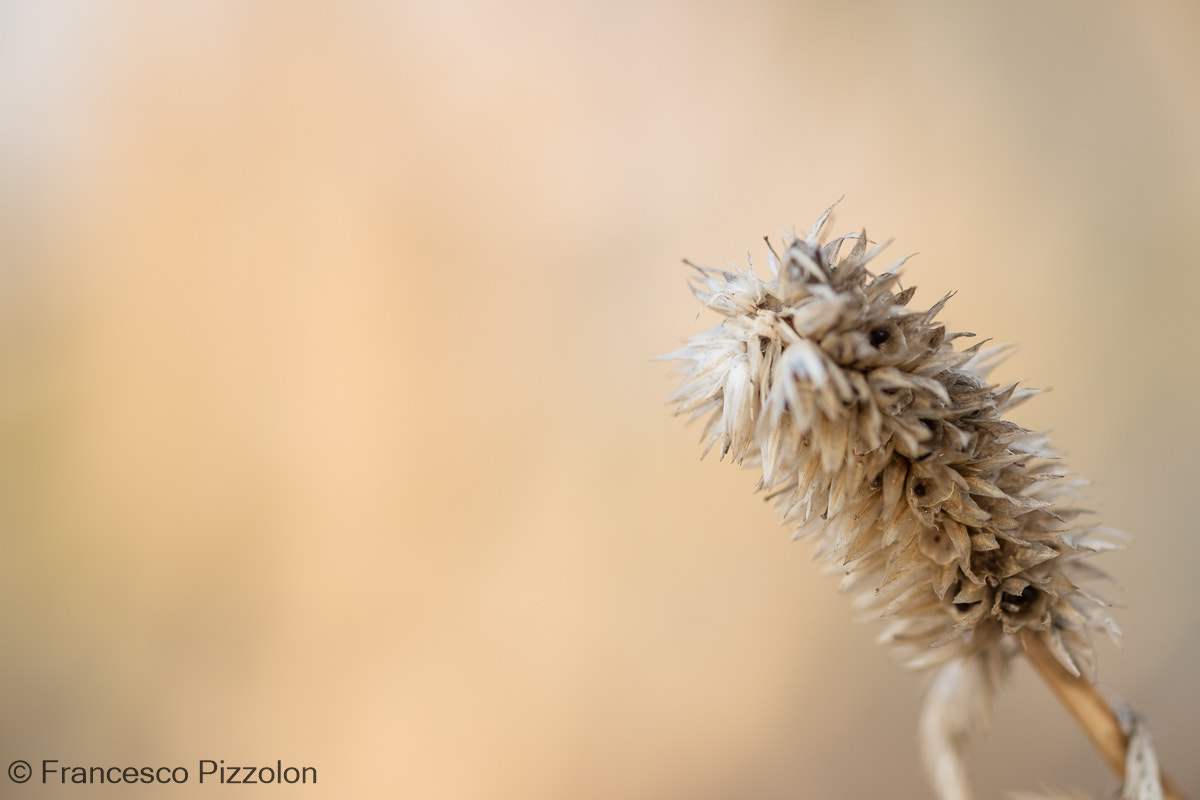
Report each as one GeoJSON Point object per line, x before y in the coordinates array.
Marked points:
{"type": "Point", "coordinates": [874, 431]}
{"type": "Point", "coordinates": [953, 524]}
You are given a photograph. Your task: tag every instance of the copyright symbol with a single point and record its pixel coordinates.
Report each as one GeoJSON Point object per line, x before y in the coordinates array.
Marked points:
{"type": "Point", "coordinates": [19, 771]}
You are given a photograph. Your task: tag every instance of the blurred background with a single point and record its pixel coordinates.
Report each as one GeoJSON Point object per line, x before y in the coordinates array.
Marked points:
{"type": "Point", "coordinates": [330, 431]}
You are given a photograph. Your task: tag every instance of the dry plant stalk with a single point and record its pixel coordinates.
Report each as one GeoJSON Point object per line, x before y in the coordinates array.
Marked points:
{"type": "Point", "coordinates": [1120, 738]}
{"type": "Point", "coordinates": [955, 526]}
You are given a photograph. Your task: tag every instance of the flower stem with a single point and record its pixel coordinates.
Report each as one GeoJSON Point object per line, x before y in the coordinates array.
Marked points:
{"type": "Point", "coordinates": [1089, 709]}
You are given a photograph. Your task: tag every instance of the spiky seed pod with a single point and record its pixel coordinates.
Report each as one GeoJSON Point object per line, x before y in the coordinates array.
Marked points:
{"type": "Point", "coordinates": [955, 525]}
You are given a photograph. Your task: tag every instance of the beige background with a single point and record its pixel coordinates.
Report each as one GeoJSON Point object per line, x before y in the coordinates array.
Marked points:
{"type": "Point", "coordinates": [330, 432]}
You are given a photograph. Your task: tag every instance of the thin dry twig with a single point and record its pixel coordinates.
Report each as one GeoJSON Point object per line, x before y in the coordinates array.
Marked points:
{"type": "Point", "coordinates": [1093, 714]}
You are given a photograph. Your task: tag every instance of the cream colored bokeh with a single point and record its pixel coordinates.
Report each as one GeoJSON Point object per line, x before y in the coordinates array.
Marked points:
{"type": "Point", "coordinates": [330, 429]}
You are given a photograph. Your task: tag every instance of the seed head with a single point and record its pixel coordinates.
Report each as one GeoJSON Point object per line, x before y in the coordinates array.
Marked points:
{"type": "Point", "coordinates": [875, 433]}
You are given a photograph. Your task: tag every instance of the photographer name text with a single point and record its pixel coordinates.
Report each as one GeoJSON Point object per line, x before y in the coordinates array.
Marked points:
{"type": "Point", "coordinates": [207, 771]}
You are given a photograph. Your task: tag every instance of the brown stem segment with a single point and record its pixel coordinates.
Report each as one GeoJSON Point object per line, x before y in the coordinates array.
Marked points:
{"type": "Point", "coordinates": [1089, 709]}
